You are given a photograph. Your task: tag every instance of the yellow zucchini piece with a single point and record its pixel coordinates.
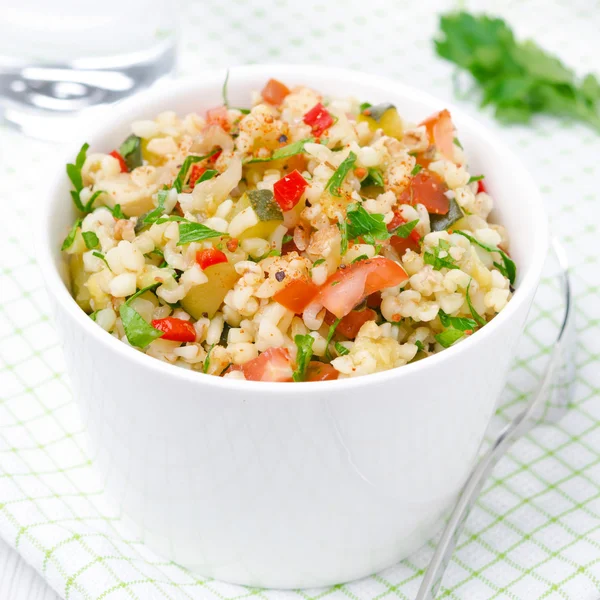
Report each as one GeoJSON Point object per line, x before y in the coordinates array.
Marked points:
{"type": "Point", "coordinates": [205, 299]}
{"type": "Point", "coordinates": [78, 278]}
{"type": "Point", "coordinates": [385, 117]}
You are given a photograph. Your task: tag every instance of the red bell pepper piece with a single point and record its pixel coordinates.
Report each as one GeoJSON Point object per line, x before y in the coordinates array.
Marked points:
{"type": "Point", "coordinates": [289, 189]}
{"type": "Point", "coordinates": [121, 160]}
{"type": "Point", "coordinates": [175, 330]}
{"type": "Point", "coordinates": [209, 257]}
{"type": "Point", "coordinates": [318, 118]}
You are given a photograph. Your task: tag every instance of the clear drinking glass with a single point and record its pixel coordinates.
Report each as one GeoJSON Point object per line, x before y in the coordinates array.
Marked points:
{"type": "Point", "coordinates": [60, 58]}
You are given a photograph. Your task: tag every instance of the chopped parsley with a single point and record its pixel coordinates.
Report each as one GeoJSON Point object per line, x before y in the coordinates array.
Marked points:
{"type": "Point", "coordinates": [196, 232]}
{"type": "Point", "coordinates": [508, 268]}
{"type": "Point", "coordinates": [480, 320]}
{"type": "Point", "coordinates": [185, 167]}
{"type": "Point", "coordinates": [449, 337]}
{"type": "Point", "coordinates": [206, 363]}
{"type": "Point", "coordinates": [374, 177]}
{"type": "Point", "coordinates": [438, 262]}
{"type": "Point", "coordinates": [304, 343]}
{"type": "Point", "coordinates": [364, 106]}
{"type": "Point", "coordinates": [367, 226]}
{"type": "Point", "coordinates": [405, 229]}
{"type": "Point", "coordinates": [90, 203]}
{"type": "Point", "coordinates": [208, 174]}
{"type": "Point", "coordinates": [330, 335]}
{"type": "Point", "coordinates": [416, 169]}
{"type": "Point", "coordinates": [336, 180]}
{"type": "Point", "coordinates": [71, 235]}
{"type": "Point", "coordinates": [154, 215]}
{"type": "Point", "coordinates": [318, 262]}
{"type": "Point", "coordinates": [91, 239]}
{"type": "Point", "coordinates": [285, 152]}
{"type": "Point", "coordinates": [359, 258]}
{"type": "Point", "coordinates": [138, 331]}
{"type": "Point", "coordinates": [457, 143]}
{"type": "Point", "coordinates": [341, 350]}
{"type": "Point", "coordinates": [118, 213]}
{"type": "Point", "coordinates": [343, 227]}
{"type": "Point", "coordinates": [460, 323]}
{"type": "Point", "coordinates": [74, 174]}
{"type": "Point", "coordinates": [131, 151]}
{"type": "Point", "coordinates": [102, 258]}
{"type": "Point", "coordinates": [287, 238]}
{"type": "Point", "coordinates": [419, 345]}
{"type": "Point", "coordinates": [475, 178]}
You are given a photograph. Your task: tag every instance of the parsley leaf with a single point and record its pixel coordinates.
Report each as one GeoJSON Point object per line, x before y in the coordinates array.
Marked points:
{"type": "Point", "coordinates": [475, 178]}
{"type": "Point", "coordinates": [460, 323]}
{"type": "Point", "coordinates": [91, 239]}
{"type": "Point", "coordinates": [71, 235]}
{"type": "Point", "coordinates": [131, 151]}
{"type": "Point", "coordinates": [449, 337]}
{"type": "Point", "coordinates": [508, 268]}
{"type": "Point", "coordinates": [155, 214]}
{"type": "Point", "coordinates": [74, 174]}
{"type": "Point", "coordinates": [287, 238]}
{"type": "Point", "coordinates": [374, 177]}
{"type": "Point", "coordinates": [102, 258]}
{"type": "Point", "coordinates": [90, 203]}
{"type": "Point", "coordinates": [364, 106]}
{"type": "Point", "coordinates": [196, 232]}
{"type": "Point", "coordinates": [330, 335]}
{"type": "Point", "coordinates": [416, 169]}
{"type": "Point", "coordinates": [341, 350]}
{"type": "Point", "coordinates": [365, 225]}
{"type": "Point", "coordinates": [480, 320]}
{"type": "Point", "coordinates": [419, 345]}
{"type": "Point", "coordinates": [208, 174]}
{"type": "Point", "coordinates": [359, 258]}
{"type": "Point", "coordinates": [457, 143]}
{"type": "Point", "coordinates": [343, 227]}
{"type": "Point", "coordinates": [519, 79]}
{"type": "Point", "coordinates": [438, 262]}
{"type": "Point", "coordinates": [304, 344]}
{"type": "Point", "coordinates": [285, 152]}
{"type": "Point", "coordinates": [206, 363]}
{"type": "Point", "coordinates": [118, 213]}
{"type": "Point", "coordinates": [138, 331]}
{"type": "Point", "coordinates": [185, 167]}
{"type": "Point", "coordinates": [318, 262]}
{"type": "Point", "coordinates": [336, 180]}
{"type": "Point", "coordinates": [405, 229]}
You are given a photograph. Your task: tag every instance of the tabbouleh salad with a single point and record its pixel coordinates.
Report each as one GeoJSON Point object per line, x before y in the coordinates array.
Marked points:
{"type": "Point", "coordinates": [307, 238]}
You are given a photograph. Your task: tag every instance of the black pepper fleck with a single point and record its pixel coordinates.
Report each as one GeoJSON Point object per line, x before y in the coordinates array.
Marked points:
{"type": "Point", "coordinates": [280, 276]}
{"type": "Point", "coordinates": [283, 138]}
{"type": "Point", "coordinates": [308, 204]}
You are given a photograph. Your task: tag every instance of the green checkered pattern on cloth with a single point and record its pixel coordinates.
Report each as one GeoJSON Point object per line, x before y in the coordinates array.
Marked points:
{"type": "Point", "coordinates": [535, 532]}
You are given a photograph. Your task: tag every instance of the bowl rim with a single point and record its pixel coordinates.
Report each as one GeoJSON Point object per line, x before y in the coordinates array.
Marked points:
{"type": "Point", "coordinates": [176, 88]}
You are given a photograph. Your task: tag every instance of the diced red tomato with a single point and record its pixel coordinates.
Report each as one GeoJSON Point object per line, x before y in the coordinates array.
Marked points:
{"type": "Point", "coordinates": [195, 173]}
{"type": "Point", "coordinates": [399, 244]}
{"type": "Point", "coordinates": [352, 322]}
{"type": "Point", "coordinates": [428, 189]}
{"type": "Point", "coordinates": [209, 257]}
{"type": "Point", "coordinates": [347, 287]}
{"type": "Point", "coordinates": [274, 364]}
{"type": "Point", "coordinates": [481, 186]}
{"type": "Point", "coordinates": [318, 118]}
{"type": "Point", "coordinates": [440, 130]}
{"type": "Point", "coordinates": [288, 190]}
{"type": "Point", "coordinates": [318, 371]}
{"type": "Point", "coordinates": [176, 330]}
{"type": "Point", "coordinates": [297, 294]}
{"type": "Point", "coordinates": [213, 158]}
{"type": "Point", "coordinates": [374, 300]}
{"type": "Point", "coordinates": [121, 160]}
{"type": "Point", "coordinates": [274, 92]}
{"type": "Point", "coordinates": [218, 116]}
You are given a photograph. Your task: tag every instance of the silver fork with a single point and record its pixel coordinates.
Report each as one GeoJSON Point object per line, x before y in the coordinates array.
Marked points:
{"type": "Point", "coordinates": [546, 405]}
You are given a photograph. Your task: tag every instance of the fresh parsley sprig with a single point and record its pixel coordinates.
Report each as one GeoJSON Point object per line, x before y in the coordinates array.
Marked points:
{"type": "Point", "coordinates": [284, 152]}
{"type": "Point", "coordinates": [138, 331]}
{"type": "Point", "coordinates": [438, 262]}
{"type": "Point", "coordinates": [304, 343]}
{"type": "Point", "coordinates": [519, 79]}
{"type": "Point", "coordinates": [362, 224]}
{"type": "Point", "coordinates": [74, 174]}
{"type": "Point", "coordinates": [335, 181]}
{"type": "Point", "coordinates": [507, 268]}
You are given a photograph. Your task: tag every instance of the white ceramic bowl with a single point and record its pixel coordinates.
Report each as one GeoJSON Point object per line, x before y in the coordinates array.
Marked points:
{"type": "Point", "coordinates": [304, 484]}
